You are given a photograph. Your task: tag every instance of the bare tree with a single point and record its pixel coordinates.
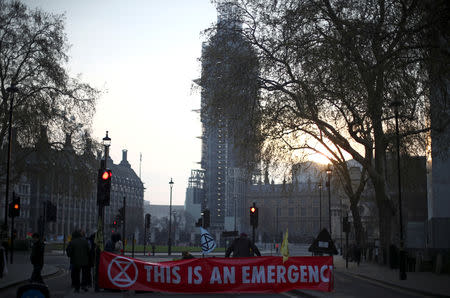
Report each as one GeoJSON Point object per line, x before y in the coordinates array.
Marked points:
{"type": "Point", "coordinates": [330, 71]}
{"type": "Point", "coordinates": [33, 57]}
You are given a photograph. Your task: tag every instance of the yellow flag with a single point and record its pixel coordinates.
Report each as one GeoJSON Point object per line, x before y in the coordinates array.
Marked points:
{"type": "Point", "coordinates": [284, 247]}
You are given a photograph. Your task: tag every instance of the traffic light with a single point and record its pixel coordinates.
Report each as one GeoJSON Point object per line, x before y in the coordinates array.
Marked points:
{"type": "Point", "coordinates": [254, 216]}
{"type": "Point", "coordinates": [121, 215]}
{"type": "Point", "coordinates": [104, 187]}
{"type": "Point", "coordinates": [199, 223]}
{"type": "Point", "coordinates": [206, 218]}
{"type": "Point", "coordinates": [114, 224]}
{"type": "Point", "coordinates": [147, 220]}
{"type": "Point", "coordinates": [14, 207]}
{"type": "Point", "coordinates": [50, 212]}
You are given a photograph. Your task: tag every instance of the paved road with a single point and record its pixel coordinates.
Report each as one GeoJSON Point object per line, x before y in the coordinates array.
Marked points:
{"type": "Point", "coordinates": [346, 285]}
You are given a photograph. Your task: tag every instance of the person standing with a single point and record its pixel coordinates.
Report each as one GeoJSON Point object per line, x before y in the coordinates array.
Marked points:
{"type": "Point", "coordinates": [118, 244]}
{"type": "Point", "coordinates": [37, 258]}
{"type": "Point", "coordinates": [88, 280]}
{"type": "Point", "coordinates": [78, 252]}
{"type": "Point", "coordinates": [242, 247]}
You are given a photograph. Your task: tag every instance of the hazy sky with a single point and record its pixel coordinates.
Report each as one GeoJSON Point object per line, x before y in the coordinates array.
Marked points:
{"type": "Point", "coordinates": [144, 54]}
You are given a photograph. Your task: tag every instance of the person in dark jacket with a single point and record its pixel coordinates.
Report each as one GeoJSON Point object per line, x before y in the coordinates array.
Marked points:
{"type": "Point", "coordinates": [78, 252]}
{"type": "Point", "coordinates": [37, 258]}
{"type": "Point", "coordinates": [242, 247]}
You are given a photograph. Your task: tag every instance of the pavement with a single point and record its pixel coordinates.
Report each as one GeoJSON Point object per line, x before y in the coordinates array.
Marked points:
{"type": "Point", "coordinates": [423, 283]}
{"type": "Point", "coordinates": [21, 270]}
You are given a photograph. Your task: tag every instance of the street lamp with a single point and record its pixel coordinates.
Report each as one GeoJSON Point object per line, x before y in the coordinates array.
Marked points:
{"type": "Point", "coordinates": [329, 195]}
{"type": "Point", "coordinates": [396, 104]}
{"type": "Point", "coordinates": [169, 244]}
{"type": "Point", "coordinates": [11, 90]}
{"type": "Point", "coordinates": [106, 142]}
{"type": "Point", "coordinates": [320, 206]}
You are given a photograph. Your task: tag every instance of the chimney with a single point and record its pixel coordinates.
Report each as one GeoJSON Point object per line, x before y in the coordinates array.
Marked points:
{"type": "Point", "coordinates": [124, 161]}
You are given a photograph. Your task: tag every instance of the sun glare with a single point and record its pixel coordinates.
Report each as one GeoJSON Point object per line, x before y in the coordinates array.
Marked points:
{"type": "Point", "coordinates": [318, 158]}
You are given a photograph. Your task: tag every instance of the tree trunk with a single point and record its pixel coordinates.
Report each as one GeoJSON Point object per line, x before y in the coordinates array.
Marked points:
{"type": "Point", "coordinates": [385, 223]}
{"type": "Point", "coordinates": [357, 225]}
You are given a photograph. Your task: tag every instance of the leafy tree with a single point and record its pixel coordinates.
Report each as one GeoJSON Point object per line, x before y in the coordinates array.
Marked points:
{"type": "Point", "coordinates": [330, 71]}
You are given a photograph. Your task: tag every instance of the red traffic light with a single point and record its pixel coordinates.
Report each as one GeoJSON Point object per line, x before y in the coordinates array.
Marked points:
{"type": "Point", "coordinates": [115, 222]}
{"type": "Point", "coordinates": [16, 206]}
{"type": "Point", "coordinates": [252, 209]}
{"type": "Point", "coordinates": [106, 175]}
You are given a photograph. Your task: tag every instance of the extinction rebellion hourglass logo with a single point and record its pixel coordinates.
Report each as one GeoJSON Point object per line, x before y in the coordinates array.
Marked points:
{"type": "Point", "coordinates": [122, 272]}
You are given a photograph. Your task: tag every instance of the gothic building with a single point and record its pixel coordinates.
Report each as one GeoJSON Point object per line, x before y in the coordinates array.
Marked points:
{"type": "Point", "coordinates": [228, 96]}
{"type": "Point", "coordinates": [67, 179]}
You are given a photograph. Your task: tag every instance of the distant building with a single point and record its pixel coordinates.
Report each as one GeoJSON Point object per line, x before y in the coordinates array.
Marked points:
{"type": "Point", "coordinates": [146, 207]}
{"type": "Point", "coordinates": [126, 186]}
{"type": "Point", "coordinates": [282, 206]}
{"type": "Point", "coordinates": [438, 155]}
{"type": "Point", "coordinates": [195, 193]}
{"type": "Point", "coordinates": [162, 211]}
{"type": "Point", "coordinates": [69, 180]}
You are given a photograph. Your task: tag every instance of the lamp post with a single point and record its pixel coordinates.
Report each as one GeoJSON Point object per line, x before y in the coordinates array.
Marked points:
{"type": "Point", "coordinates": [169, 243]}
{"type": "Point", "coordinates": [320, 206]}
{"type": "Point", "coordinates": [235, 213]}
{"type": "Point", "coordinates": [11, 90]}
{"type": "Point", "coordinates": [396, 104]}
{"type": "Point", "coordinates": [329, 195]}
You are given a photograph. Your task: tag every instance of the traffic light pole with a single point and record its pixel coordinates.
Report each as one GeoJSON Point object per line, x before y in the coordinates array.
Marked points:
{"type": "Point", "coordinates": [254, 220]}
{"type": "Point", "coordinates": [169, 242]}
{"type": "Point", "coordinates": [100, 219]}
{"type": "Point", "coordinates": [145, 236]}
{"type": "Point", "coordinates": [12, 232]}
{"type": "Point", "coordinates": [12, 240]}
{"type": "Point", "coordinates": [253, 235]}
{"type": "Point", "coordinates": [123, 225]}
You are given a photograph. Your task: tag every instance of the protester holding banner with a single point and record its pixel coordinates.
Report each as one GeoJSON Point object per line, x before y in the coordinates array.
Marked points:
{"type": "Point", "coordinates": [242, 247]}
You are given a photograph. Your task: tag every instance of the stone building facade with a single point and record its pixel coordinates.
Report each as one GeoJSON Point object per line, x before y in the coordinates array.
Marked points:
{"type": "Point", "coordinates": [68, 180]}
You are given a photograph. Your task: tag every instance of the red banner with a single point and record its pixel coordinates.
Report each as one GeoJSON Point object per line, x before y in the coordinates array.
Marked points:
{"type": "Point", "coordinates": [217, 275]}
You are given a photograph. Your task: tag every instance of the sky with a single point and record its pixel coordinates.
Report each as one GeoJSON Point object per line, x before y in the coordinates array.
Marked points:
{"type": "Point", "coordinates": [143, 55]}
